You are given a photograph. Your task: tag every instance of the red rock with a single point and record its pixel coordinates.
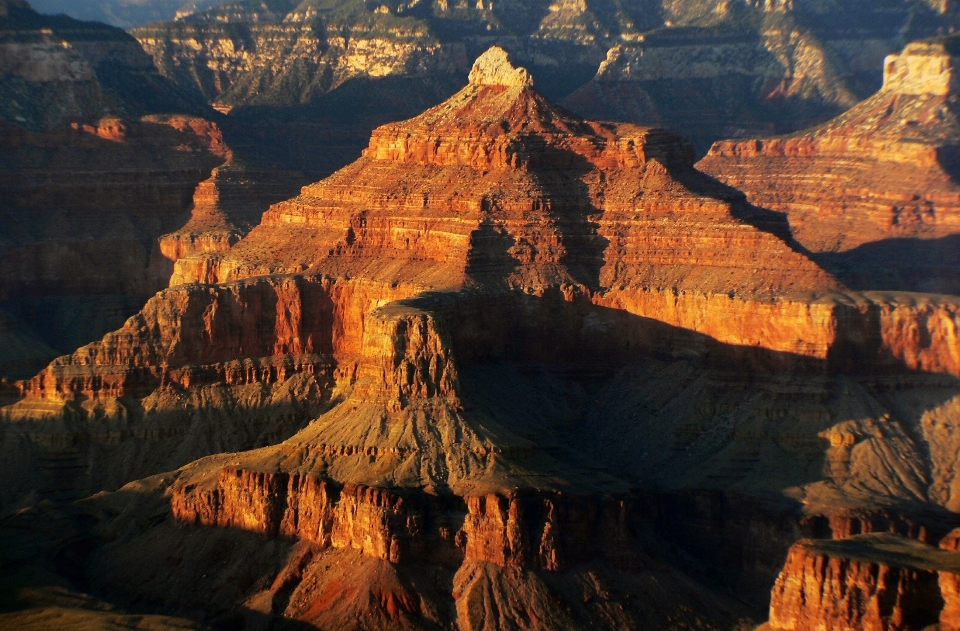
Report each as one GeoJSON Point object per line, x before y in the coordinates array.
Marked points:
{"type": "Point", "coordinates": [869, 582]}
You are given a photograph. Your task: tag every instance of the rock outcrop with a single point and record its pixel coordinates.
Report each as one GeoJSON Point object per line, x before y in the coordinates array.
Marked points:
{"type": "Point", "coordinates": [883, 213]}
{"type": "Point", "coordinates": [83, 207]}
{"type": "Point", "coordinates": [865, 582]}
{"type": "Point", "coordinates": [56, 70]}
{"type": "Point", "coordinates": [101, 157]}
{"type": "Point", "coordinates": [705, 69]}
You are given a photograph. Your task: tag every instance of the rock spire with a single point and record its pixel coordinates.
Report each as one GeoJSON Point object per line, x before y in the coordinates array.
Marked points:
{"type": "Point", "coordinates": [494, 68]}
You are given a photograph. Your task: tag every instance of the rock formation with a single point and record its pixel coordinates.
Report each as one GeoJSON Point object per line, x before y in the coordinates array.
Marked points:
{"type": "Point", "coordinates": [101, 156]}
{"type": "Point", "coordinates": [510, 367]}
{"type": "Point", "coordinates": [704, 69]}
{"type": "Point", "coordinates": [866, 582]}
{"type": "Point", "coordinates": [57, 70]}
{"type": "Point", "coordinates": [883, 213]}
{"type": "Point", "coordinates": [751, 68]}
{"type": "Point", "coordinates": [124, 14]}
{"type": "Point", "coordinates": [82, 209]}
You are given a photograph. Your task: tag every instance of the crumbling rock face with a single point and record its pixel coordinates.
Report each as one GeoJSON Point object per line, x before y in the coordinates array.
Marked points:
{"type": "Point", "coordinates": [83, 207]}
{"type": "Point", "coordinates": [550, 531]}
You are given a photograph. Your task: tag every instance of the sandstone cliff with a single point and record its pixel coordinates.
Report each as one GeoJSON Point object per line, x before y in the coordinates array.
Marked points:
{"type": "Point", "coordinates": [101, 156]}
{"type": "Point", "coordinates": [705, 69]}
{"type": "Point", "coordinates": [56, 70]}
{"type": "Point", "coordinates": [82, 208]}
{"type": "Point", "coordinates": [866, 582]}
{"type": "Point", "coordinates": [742, 69]}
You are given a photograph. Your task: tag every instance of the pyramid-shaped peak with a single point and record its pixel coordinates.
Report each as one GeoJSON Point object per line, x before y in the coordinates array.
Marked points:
{"type": "Point", "coordinates": [494, 68]}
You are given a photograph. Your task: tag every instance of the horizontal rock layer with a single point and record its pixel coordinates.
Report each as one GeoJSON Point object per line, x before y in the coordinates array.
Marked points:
{"type": "Point", "coordinates": [872, 193]}
{"type": "Point", "coordinates": [527, 530]}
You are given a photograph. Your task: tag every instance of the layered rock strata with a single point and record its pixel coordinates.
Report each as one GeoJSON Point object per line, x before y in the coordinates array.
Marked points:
{"type": "Point", "coordinates": [56, 70]}
{"type": "Point", "coordinates": [521, 350]}
{"type": "Point", "coordinates": [102, 156]}
{"type": "Point", "coordinates": [741, 67]}
{"type": "Point", "coordinates": [82, 209]}
{"type": "Point", "coordinates": [871, 193]}
{"type": "Point", "coordinates": [751, 69]}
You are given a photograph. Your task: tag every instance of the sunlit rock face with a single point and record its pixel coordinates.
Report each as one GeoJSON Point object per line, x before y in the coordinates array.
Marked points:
{"type": "Point", "coordinates": [706, 69]}
{"type": "Point", "coordinates": [878, 581]}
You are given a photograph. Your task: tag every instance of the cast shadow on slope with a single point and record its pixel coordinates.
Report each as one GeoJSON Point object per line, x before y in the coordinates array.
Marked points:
{"type": "Point", "coordinates": [331, 131]}
{"type": "Point", "coordinates": [900, 264]}
{"type": "Point", "coordinates": [77, 255]}
{"type": "Point", "coordinates": [676, 413]}
{"type": "Point", "coordinates": [763, 219]}
{"type": "Point", "coordinates": [590, 390]}
{"type": "Point", "coordinates": [560, 174]}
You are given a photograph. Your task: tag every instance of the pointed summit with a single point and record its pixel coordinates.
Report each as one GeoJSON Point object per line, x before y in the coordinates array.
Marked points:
{"type": "Point", "coordinates": [494, 68]}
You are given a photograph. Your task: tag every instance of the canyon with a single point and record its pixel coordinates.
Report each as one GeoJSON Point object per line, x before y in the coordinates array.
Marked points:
{"type": "Point", "coordinates": [511, 368]}
{"type": "Point", "coordinates": [283, 360]}
{"type": "Point", "coordinates": [881, 213]}
{"type": "Point", "coordinates": [706, 69]}
{"type": "Point", "coordinates": [101, 157]}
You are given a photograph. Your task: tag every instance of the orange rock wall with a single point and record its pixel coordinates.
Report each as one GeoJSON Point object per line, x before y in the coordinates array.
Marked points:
{"type": "Point", "coordinates": [815, 591]}
{"type": "Point", "coordinates": [406, 355]}
{"type": "Point", "coordinates": [392, 526]}
{"type": "Point", "coordinates": [549, 531]}
{"type": "Point", "coordinates": [183, 329]}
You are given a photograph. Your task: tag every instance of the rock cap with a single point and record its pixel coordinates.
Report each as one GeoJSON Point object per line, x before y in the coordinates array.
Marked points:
{"type": "Point", "coordinates": [924, 67]}
{"type": "Point", "coordinates": [494, 68]}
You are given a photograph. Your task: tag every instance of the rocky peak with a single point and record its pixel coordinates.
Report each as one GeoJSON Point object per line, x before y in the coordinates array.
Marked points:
{"type": "Point", "coordinates": [925, 67]}
{"type": "Point", "coordinates": [494, 68]}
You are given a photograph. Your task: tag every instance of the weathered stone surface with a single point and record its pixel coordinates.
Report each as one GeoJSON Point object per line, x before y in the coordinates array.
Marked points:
{"type": "Point", "coordinates": [865, 582]}
{"type": "Point", "coordinates": [488, 335]}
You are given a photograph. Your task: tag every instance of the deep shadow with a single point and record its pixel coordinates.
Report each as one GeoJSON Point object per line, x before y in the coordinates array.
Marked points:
{"type": "Point", "coordinates": [330, 131]}
{"type": "Point", "coordinates": [550, 347]}
{"type": "Point", "coordinates": [734, 540]}
{"type": "Point", "coordinates": [489, 261]}
{"type": "Point", "coordinates": [559, 172]}
{"type": "Point", "coordinates": [763, 219]}
{"type": "Point", "coordinates": [907, 264]}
